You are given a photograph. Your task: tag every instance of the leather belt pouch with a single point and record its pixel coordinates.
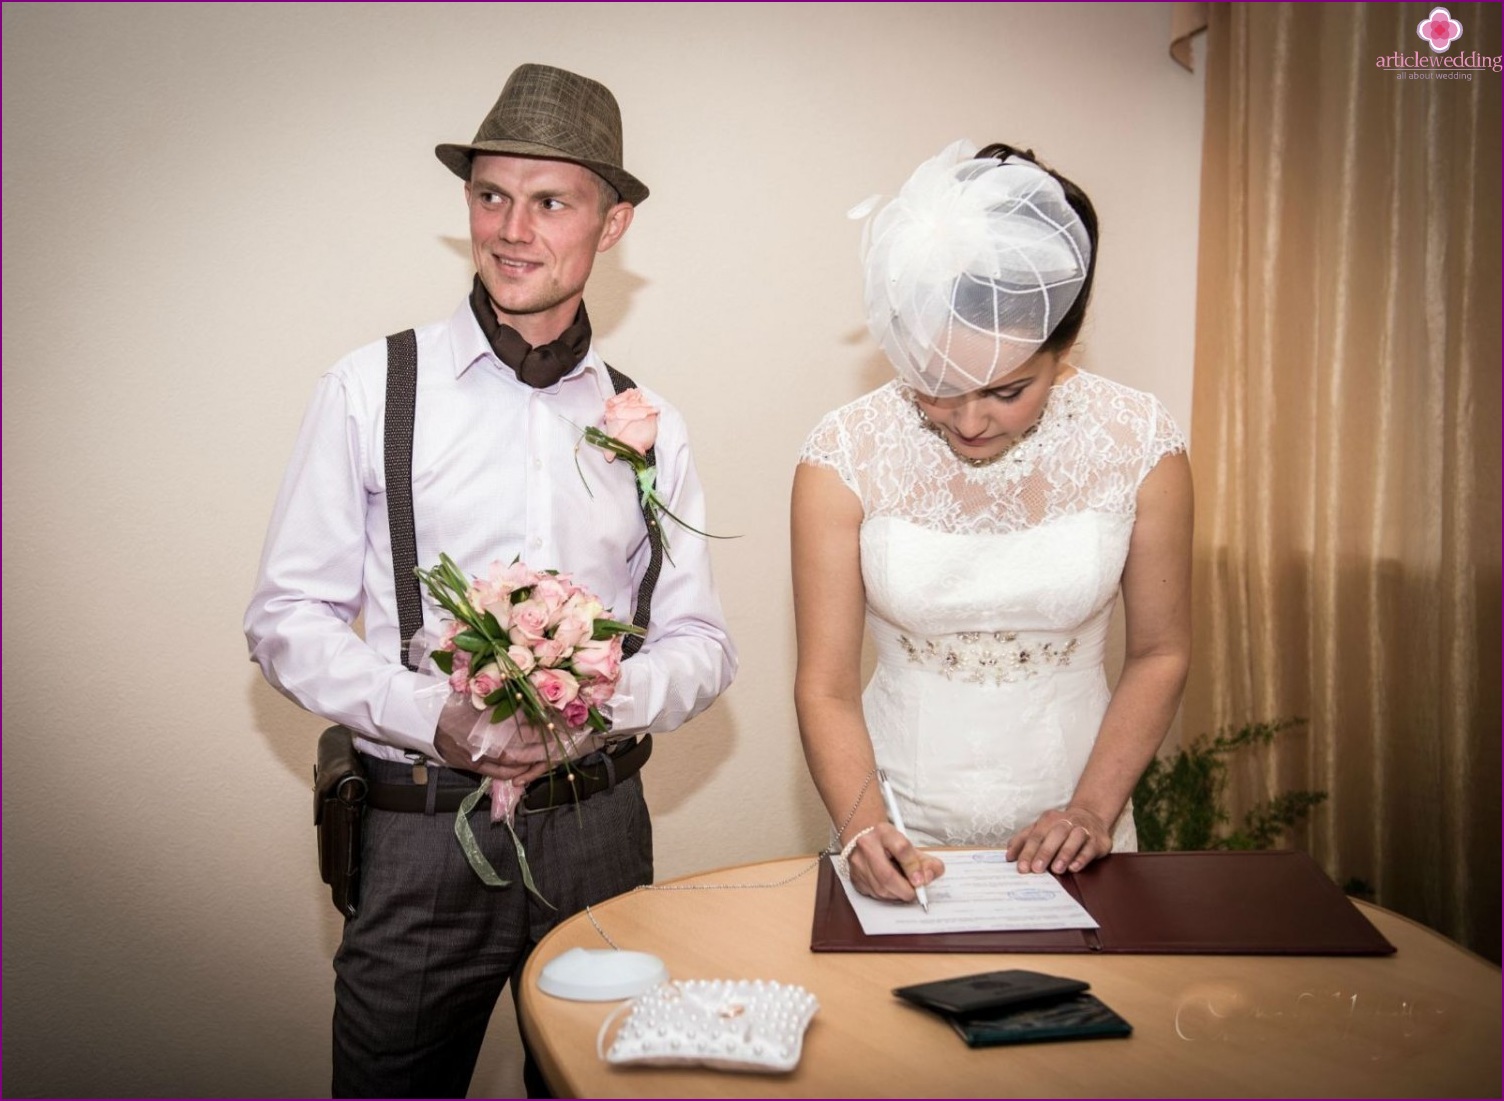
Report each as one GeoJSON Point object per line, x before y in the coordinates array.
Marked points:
{"type": "Point", "coordinates": [339, 802]}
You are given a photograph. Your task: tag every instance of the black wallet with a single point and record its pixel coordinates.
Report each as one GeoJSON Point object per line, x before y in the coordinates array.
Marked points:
{"type": "Point", "coordinates": [971, 994]}
{"type": "Point", "coordinates": [1078, 1017]}
{"type": "Point", "coordinates": [1016, 1007]}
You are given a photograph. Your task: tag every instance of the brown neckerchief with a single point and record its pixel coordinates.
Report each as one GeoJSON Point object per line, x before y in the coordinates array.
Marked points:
{"type": "Point", "coordinates": [539, 367]}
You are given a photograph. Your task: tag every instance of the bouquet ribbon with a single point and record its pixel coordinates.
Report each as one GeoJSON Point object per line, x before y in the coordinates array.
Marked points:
{"type": "Point", "coordinates": [477, 859]}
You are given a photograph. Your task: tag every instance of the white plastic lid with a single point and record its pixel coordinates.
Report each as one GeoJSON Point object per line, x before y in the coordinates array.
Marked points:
{"type": "Point", "coordinates": [600, 974]}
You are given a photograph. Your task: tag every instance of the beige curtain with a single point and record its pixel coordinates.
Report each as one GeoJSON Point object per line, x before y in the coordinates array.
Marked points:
{"type": "Point", "coordinates": [1187, 20]}
{"type": "Point", "coordinates": [1346, 442]}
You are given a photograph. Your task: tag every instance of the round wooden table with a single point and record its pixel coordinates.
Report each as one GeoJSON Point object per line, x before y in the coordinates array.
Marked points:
{"type": "Point", "coordinates": [1424, 1022]}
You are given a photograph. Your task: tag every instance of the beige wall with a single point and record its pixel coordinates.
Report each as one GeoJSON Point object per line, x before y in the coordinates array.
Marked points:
{"type": "Point", "coordinates": [205, 205]}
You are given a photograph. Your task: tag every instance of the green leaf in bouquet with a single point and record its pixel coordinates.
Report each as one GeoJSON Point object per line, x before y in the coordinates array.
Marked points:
{"type": "Point", "coordinates": [472, 641]}
{"type": "Point", "coordinates": [502, 693]}
{"type": "Point", "coordinates": [493, 628]}
{"type": "Point", "coordinates": [598, 722]}
{"type": "Point", "coordinates": [455, 576]}
{"type": "Point", "coordinates": [444, 660]}
{"type": "Point", "coordinates": [504, 708]}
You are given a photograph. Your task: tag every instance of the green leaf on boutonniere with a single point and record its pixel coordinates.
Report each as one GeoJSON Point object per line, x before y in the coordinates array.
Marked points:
{"type": "Point", "coordinates": [646, 476]}
{"type": "Point", "coordinates": [610, 443]}
{"type": "Point", "coordinates": [605, 628]}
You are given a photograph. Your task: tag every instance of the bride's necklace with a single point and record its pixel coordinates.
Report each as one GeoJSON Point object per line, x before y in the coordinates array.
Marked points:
{"type": "Point", "coordinates": [967, 459]}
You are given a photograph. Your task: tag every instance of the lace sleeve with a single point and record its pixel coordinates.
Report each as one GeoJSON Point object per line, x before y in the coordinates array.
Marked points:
{"type": "Point", "coordinates": [1162, 436]}
{"type": "Point", "coordinates": [829, 445]}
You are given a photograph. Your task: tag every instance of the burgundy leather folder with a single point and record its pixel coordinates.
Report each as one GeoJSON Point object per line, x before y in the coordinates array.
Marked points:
{"type": "Point", "coordinates": [1217, 903]}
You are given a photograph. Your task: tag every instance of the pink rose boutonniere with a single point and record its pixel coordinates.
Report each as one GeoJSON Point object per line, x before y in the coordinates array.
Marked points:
{"type": "Point", "coordinates": [534, 654]}
{"type": "Point", "coordinates": [628, 431]}
{"type": "Point", "coordinates": [631, 420]}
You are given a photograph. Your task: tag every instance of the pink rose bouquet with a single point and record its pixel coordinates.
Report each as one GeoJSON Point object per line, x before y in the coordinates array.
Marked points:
{"type": "Point", "coordinates": [628, 430]}
{"type": "Point", "coordinates": [536, 655]}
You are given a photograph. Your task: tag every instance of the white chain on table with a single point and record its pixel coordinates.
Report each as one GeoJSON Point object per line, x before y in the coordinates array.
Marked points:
{"type": "Point", "coordinates": [829, 850]}
{"type": "Point", "coordinates": [856, 803]}
{"type": "Point", "coordinates": [811, 866]}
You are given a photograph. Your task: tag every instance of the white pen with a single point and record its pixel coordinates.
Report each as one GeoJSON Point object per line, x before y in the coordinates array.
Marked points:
{"type": "Point", "coordinates": [890, 801]}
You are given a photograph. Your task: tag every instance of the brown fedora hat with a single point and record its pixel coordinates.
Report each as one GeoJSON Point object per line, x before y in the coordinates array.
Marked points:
{"type": "Point", "coordinates": [557, 115]}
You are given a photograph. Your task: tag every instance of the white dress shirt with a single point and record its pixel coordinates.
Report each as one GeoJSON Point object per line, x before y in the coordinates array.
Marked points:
{"type": "Point", "coordinates": [494, 477]}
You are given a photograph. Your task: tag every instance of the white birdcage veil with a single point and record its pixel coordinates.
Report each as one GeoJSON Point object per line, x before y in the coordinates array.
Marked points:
{"type": "Point", "coordinates": [970, 268]}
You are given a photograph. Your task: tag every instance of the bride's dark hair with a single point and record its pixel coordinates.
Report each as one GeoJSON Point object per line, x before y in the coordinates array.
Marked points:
{"type": "Point", "coordinates": [1064, 334]}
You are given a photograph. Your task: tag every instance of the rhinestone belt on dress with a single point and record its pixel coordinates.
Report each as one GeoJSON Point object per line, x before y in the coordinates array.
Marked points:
{"type": "Point", "coordinates": [980, 657]}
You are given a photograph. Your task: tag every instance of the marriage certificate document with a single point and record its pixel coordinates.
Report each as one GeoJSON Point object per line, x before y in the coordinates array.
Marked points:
{"type": "Point", "coordinates": [981, 891]}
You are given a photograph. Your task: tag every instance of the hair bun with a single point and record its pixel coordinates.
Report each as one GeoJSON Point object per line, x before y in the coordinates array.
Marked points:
{"type": "Point", "coordinates": [1001, 150]}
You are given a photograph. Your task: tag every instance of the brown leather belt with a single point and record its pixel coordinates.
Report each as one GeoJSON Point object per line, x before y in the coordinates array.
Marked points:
{"type": "Point", "coordinates": [593, 774]}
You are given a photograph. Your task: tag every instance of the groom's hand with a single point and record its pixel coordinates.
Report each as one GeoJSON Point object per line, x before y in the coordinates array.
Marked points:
{"type": "Point", "coordinates": [528, 755]}
{"type": "Point", "coordinates": [452, 741]}
{"type": "Point", "coordinates": [535, 752]}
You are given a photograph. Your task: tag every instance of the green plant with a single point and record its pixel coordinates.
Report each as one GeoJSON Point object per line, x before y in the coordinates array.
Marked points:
{"type": "Point", "coordinates": [1178, 802]}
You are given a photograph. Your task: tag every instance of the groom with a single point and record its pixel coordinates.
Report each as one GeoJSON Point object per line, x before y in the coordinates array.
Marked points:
{"type": "Point", "coordinates": [501, 390]}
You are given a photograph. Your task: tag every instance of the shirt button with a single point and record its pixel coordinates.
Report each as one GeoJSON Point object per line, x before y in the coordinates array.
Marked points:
{"type": "Point", "coordinates": [537, 542]}
{"type": "Point", "coordinates": [537, 464]}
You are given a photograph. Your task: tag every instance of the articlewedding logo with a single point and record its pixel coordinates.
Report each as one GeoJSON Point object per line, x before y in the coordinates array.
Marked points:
{"type": "Point", "coordinates": [1439, 30]}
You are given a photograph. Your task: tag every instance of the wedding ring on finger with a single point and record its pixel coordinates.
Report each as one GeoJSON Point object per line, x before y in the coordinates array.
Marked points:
{"type": "Point", "coordinates": [1074, 826]}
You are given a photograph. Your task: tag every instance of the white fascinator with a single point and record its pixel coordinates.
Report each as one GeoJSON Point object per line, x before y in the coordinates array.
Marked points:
{"type": "Point", "coordinates": [970, 268]}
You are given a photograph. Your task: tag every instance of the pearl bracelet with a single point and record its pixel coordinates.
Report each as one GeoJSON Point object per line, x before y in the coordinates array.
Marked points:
{"type": "Point", "coordinates": [850, 847]}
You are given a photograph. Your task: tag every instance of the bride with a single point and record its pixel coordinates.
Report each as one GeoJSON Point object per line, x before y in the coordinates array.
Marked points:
{"type": "Point", "coordinates": [980, 514]}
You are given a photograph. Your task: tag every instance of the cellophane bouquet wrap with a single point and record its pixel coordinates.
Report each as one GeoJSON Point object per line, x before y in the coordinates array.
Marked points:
{"type": "Point", "coordinates": [536, 654]}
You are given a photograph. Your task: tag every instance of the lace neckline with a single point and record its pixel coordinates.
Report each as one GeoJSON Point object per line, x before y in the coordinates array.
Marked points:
{"type": "Point", "coordinates": [1066, 401]}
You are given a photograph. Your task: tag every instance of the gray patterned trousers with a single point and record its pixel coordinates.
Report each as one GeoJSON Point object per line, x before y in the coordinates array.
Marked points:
{"type": "Point", "coordinates": [422, 964]}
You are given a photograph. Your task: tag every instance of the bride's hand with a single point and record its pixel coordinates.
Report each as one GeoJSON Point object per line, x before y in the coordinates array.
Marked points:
{"type": "Point", "coordinates": [885, 864]}
{"type": "Point", "coordinates": [1061, 840]}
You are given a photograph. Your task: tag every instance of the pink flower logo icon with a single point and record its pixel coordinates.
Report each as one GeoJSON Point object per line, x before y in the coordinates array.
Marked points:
{"type": "Point", "coordinates": [1439, 29]}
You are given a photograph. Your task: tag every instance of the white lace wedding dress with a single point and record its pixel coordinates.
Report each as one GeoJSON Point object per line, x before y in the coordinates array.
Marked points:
{"type": "Point", "coordinates": [989, 591]}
